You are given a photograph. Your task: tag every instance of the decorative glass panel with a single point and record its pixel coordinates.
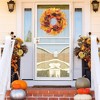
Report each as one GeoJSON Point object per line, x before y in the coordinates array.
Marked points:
{"type": "Point", "coordinates": [28, 25]}
{"type": "Point", "coordinates": [78, 23]}
{"type": "Point", "coordinates": [53, 60]}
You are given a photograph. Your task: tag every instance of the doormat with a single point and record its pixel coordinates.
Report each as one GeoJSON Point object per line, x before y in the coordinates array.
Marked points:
{"type": "Point", "coordinates": [66, 86]}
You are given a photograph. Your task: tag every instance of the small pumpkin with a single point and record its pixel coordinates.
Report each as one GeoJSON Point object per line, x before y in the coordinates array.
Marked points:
{"type": "Point", "coordinates": [18, 94]}
{"type": "Point", "coordinates": [83, 91]}
{"type": "Point", "coordinates": [82, 97]}
{"type": "Point", "coordinates": [82, 83]}
{"type": "Point", "coordinates": [16, 86]}
{"type": "Point", "coordinates": [19, 84]}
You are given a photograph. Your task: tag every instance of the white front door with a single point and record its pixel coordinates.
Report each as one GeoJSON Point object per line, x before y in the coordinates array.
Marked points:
{"type": "Point", "coordinates": [53, 51]}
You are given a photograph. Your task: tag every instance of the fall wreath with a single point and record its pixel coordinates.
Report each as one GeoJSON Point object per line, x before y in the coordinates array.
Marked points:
{"type": "Point", "coordinates": [53, 14]}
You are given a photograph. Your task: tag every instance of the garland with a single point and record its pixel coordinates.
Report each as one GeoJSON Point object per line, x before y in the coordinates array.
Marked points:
{"type": "Point", "coordinates": [46, 18]}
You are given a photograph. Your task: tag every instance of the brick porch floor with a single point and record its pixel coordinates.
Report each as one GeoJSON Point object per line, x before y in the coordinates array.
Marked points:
{"type": "Point", "coordinates": [49, 94]}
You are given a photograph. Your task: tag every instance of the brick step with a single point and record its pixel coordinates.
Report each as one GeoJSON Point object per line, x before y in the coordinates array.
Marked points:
{"type": "Point", "coordinates": [49, 94]}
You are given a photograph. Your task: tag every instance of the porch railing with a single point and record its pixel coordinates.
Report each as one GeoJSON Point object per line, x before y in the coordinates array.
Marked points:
{"type": "Point", "coordinates": [95, 67]}
{"type": "Point", "coordinates": [5, 66]}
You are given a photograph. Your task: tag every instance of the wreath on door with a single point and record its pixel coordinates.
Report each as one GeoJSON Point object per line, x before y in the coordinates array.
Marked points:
{"type": "Point", "coordinates": [53, 14]}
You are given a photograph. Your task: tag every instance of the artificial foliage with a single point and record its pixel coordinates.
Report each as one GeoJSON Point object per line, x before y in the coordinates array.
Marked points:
{"type": "Point", "coordinates": [53, 14]}
{"type": "Point", "coordinates": [20, 49]}
{"type": "Point", "coordinates": [83, 50]}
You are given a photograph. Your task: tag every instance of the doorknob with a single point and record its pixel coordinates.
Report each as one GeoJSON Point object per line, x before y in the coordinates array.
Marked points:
{"type": "Point", "coordinates": [36, 40]}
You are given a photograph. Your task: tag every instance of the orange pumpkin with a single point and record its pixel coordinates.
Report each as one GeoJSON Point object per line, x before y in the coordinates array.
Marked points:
{"type": "Point", "coordinates": [83, 91]}
{"type": "Point", "coordinates": [16, 86]}
{"type": "Point", "coordinates": [19, 84]}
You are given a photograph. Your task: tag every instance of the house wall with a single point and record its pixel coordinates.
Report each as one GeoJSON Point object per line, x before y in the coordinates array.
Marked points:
{"type": "Point", "coordinates": [7, 20]}
{"type": "Point", "coordinates": [95, 21]}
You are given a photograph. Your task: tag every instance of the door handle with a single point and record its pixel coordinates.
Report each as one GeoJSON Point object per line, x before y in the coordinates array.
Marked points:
{"type": "Point", "coordinates": [36, 40]}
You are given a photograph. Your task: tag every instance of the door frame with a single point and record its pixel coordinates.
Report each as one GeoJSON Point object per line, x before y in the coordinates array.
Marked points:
{"type": "Point", "coordinates": [19, 30]}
